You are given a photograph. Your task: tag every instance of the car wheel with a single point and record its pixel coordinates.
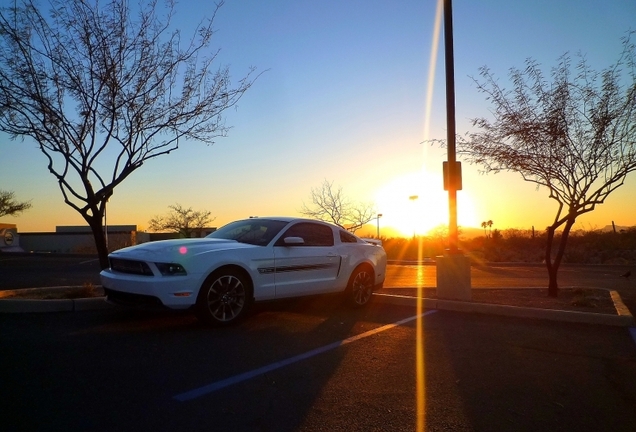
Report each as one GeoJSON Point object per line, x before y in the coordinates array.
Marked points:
{"type": "Point", "coordinates": [360, 288]}
{"type": "Point", "coordinates": [224, 298]}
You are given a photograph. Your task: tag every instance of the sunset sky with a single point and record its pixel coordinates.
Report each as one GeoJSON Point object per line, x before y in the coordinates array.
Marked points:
{"type": "Point", "coordinates": [342, 97]}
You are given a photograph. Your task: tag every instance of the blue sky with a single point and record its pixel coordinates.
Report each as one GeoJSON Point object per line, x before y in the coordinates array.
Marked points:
{"type": "Point", "coordinates": [342, 97]}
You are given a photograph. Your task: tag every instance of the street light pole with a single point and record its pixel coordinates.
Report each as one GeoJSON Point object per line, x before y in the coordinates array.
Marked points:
{"type": "Point", "coordinates": [378, 220]}
{"type": "Point", "coordinates": [413, 198]}
{"type": "Point", "coordinates": [452, 174]}
{"type": "Point", "coordinates": [453, 269]}
{"type": "Point", "coordinates": [105, 226]}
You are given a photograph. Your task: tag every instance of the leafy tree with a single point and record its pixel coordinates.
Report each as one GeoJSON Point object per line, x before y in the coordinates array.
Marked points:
{"type": "Point", "coordinates": [102, 89]}
{"type": "Point", "coordinates": [181, 220]}
{"type": "Point", "coordinates": [9, 206]}
{"type": "Point", "coordinates": [331, 205]}
{"type": "Point", "coordinates": [575, 136]}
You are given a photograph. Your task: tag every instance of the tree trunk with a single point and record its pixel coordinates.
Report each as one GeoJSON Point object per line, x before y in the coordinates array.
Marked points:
{"type": "Point", "coordinates": [553, 266]}
{"type": "Point", "coordinates": [95, 222]}
{"type": "Point", "coordinates": [553, 287]}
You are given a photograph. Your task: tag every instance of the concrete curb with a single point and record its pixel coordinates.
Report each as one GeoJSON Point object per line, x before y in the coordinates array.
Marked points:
{"type": "Point", "coordinates": [63, 305]}
{"type": "Point", "coordinates": [623, 319]}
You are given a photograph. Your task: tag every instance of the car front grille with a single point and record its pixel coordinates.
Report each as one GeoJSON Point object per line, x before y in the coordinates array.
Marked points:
{"type": "Point", "coordinates": [130, 266]}
{"type": "Point", "coordinates": [129, 299]}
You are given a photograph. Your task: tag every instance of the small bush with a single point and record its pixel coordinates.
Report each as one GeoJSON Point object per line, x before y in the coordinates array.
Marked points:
{"type": "Point", "coordinates": [583, 247]}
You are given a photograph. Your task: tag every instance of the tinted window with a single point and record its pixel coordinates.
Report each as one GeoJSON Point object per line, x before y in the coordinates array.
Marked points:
{"type": "Point", "coordinates": [346, 237]}
{"type": "Point", "coordinates": [252, 231]}
{"type": "Point", "coordinates": [313, 234]}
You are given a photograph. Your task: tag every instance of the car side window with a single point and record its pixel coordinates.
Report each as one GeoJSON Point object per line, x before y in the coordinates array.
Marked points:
{"type": "Point", "coordinates": [313, 234]}
{"type": "Point", "coordinates": [346, 237]}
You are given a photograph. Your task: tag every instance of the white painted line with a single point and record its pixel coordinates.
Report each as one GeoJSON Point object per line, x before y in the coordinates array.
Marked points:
{"type": "Point", "coordinates": [201, 391]}
{"type": "Point", "coordinates": [632, 331]}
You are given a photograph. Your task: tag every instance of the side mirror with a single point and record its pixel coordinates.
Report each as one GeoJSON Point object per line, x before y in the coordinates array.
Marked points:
{"type": "Point", "coordinates": [293, 241]}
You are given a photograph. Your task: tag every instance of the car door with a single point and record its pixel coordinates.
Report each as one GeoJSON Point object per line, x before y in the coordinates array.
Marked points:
{"type": "Point", "coordinates": [309, 266]}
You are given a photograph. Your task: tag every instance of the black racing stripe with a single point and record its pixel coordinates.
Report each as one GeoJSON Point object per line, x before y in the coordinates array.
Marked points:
{"type": "Point", "coordinates": [302, 268]}
{"type": "Point", "coordinates": [287, 269]}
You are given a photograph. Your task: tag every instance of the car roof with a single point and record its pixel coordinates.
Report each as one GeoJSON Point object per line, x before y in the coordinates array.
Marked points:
{"type": "Point", "coordinates": [296, 219]}
{"type": "Point", "coordinates": [290, 219]}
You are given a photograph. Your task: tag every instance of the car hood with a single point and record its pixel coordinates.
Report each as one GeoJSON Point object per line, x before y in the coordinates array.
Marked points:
{"type": "Point", "coordinates": [174, 249]}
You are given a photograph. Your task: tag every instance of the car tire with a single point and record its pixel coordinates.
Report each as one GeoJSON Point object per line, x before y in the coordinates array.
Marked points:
{"type": "Point", "coordinates": [360, 288]}
{"type": "Point", "coordinates": [224, 298]}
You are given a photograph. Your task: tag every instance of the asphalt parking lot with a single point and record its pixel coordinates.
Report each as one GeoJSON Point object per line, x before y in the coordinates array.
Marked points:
{"type": "Point", "coordinates": [311, 365]}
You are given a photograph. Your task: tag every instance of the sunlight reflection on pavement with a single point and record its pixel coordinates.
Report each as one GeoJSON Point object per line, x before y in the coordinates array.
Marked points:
{"type": "Point", "coordinates": [401, 276]}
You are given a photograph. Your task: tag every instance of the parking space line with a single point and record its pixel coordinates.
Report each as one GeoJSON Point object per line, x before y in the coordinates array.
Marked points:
{"type": "Point", "coordinates": [201, 391]}
{"type": "Point", "coordinates": [632, 331]}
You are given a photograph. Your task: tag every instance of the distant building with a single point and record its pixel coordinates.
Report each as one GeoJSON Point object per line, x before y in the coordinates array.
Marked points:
{"type": "Point", "coordinates": [77, 239]}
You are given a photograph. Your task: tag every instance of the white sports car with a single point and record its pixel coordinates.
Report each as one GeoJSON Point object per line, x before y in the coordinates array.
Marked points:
{"type": "Point", "coordinates": [249, 260]}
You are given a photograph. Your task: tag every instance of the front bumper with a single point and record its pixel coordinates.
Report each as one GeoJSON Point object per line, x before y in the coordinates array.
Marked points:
{"type": "Point", "coordinates": [128, 299]}
{"type": "Point", "coordinates": [175, 292]}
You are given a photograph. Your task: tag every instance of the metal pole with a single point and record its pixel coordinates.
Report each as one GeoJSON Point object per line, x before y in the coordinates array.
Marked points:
{"type": "Point", "coordinates": [378, 219]}
{"type": "Point", "coordinates": [105, 226]}
{"type": "Point", "coordinates": [450, 121]}
{"type": "Point", "coordinates": [413, 198]}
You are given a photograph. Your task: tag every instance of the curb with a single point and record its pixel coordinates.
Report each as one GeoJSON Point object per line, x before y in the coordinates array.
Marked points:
{"type": "Point", "coordinates": [62, 305]}
{"type": "Point", "coordinates": [623, 319]}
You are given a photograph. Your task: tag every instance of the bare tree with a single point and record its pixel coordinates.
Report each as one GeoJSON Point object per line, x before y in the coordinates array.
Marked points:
{"type": "Point", "coordinates": [103, 89]}
{"type": "Point", "coordinates": [9, 206]}
{"type": "Point", "coordinates": [181, 220]}
{"type": "Point", "coordinates": [575, 136]}
{"type": "Point", "coordinates": [330, 204]}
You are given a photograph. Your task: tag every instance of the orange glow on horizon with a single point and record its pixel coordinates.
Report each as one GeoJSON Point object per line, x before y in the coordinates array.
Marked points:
{"type": "Point", "coordinates": [415, 204]}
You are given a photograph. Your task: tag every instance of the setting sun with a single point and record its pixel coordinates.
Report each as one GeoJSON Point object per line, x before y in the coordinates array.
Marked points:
{"type": "Point", "coordinates": [415, 203]}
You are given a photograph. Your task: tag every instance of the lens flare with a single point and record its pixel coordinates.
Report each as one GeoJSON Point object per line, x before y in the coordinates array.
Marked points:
{"type": "Point", "coordinates": [183, 250]}
{"type": "Point", "coordinates": [419, 342]}
{"type": "Point", "coordinates": [432, 62]}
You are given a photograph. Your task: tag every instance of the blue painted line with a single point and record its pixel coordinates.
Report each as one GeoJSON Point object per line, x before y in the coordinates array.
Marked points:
{"type": "Point", "coordinates": [210, 388]}
{"type": "Point", "coordinates": [632, 331]}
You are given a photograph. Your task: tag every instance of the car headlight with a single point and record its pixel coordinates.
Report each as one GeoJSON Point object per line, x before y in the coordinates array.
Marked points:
{"type": "Point", "coordinates": [171, 269]}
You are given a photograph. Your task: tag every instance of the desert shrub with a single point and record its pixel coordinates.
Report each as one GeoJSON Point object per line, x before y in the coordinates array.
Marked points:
{"type": "Point", "coordinates": [412, 248]}
{"type": "Point", "coordinates": [514, 245]}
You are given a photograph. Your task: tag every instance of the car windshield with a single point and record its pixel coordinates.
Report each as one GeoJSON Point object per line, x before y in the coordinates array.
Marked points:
{"type": "Point", "coordinates": [255, 231]}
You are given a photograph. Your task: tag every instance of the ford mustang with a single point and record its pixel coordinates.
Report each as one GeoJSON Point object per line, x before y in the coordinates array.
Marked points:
{"type": "Point", "coordinates": [249, 260]}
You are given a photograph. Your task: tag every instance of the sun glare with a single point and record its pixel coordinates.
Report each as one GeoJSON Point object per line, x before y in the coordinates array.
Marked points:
{"type": "Point", "coordinates": [415, 203]}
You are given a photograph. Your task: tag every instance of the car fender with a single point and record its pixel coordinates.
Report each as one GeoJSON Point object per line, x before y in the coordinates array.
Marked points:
{"type": "Point", "coordinates": [263, 284]}
{"type": "Point", "coordinates": [354, 257]}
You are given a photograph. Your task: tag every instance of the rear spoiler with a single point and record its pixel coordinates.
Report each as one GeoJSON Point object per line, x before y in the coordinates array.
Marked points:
{"type": "Point", "coordinates": [375, 242]}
